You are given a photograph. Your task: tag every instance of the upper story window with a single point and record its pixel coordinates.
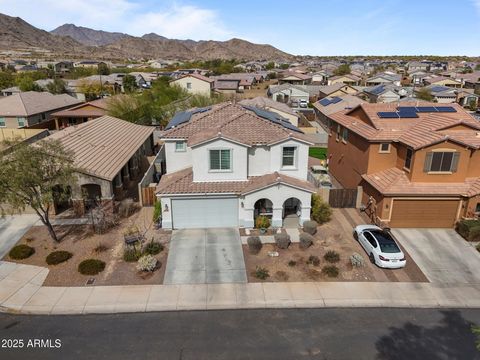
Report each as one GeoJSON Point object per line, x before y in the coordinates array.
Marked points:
{"type": "Point", "coordinates": [2, 122]}
{"type": "Point", "coordinates": [384, 148]}
{"type": "Point", "coordinates": [408, 159]}
{"type": "Point", "coordinates": [21, 121]}
{"type": "Point", "coordinates": [339, 130]}
{"type": "Point", "coordinates": [180, 146]}
{"type": "Point", "coordinates": [221, 160]}
{"type": "Point", "coordinates": [189, 85]}
{"type": "Point", "coordinates": [288, 156]}
{"type": "Point", "coordinates": [441, 161]}
{"type": "Point", "coordinates": [345, 135]}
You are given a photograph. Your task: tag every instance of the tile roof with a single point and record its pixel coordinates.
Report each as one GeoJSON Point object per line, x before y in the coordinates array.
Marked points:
{"type": "Point", "coordinates": [427, 129]}
{"type": "Point", "coordinates": [348, 102]}
{"type": "Point", "coordinates": [181, 182]}
{"type": "Point", "coordinates": [264, 102]}
{"type": "Point", "coordinates": [235, 122]}
{"type": "Point", "coordinates": [32, 102]}
{"type": "Point", "coordinates": [393, 181]}
{"type": "Point", "coordinates": [196, 76]}
{"type": "Point", "coordinates": [100, 106]}
{"type": "Point", "coordinates": [104, 145]}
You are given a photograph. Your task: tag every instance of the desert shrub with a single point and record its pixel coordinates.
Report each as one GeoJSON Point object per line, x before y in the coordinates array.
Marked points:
{"type": "Point", "coordinates": [313, 260]}
{"type": "Point", "coordinates": [292, 263]}
{"type": "Point", "coordinates": [153, 248]}
{"type": "Point", "coordinates": [131, 254]}
{"type": "Point", "coordinates": [261, 273]}
{"type": "Point", "coordinates": [147, 263]}
{"type": "Point", "coordinates": [313, 274]}
{"type": "Point", "coordinates": [310, 227]}
{"type": "Point", "coordinates": [254, 244]}
{"type": "Point", "coordinates": [474, 234]}
{"type": "Point", "coordinates": [321, 212]}
{"type": "Point", "coordinates": [262, 222]}
{"type": "Point", "coordinates": [465, 227]}
{"type": "Point", "coordinates": [332, 256]}
{"type": "Point", "coordinates": [58, 257]}
{"type": "Point", "coordinates": [281, 275]}
{"type": "Point", "coordinates": [21, 252]}
{"type": "Point", "coordinates": [306, 240]}
{"type": "Point", "coordinates": [357, 260]}
{"type": "Point", "coordinates": [100, 248]}
{"type": "Point", "coordinates": [29, 239]}
{"type": "Point", "coordinates": [91, 267]}
{"type": "Point", "coordinates": [330, 271]}
{"type": "Point", "coordinates": [282, 240]}
{"type": "Point", "coordinates": [157, 211]}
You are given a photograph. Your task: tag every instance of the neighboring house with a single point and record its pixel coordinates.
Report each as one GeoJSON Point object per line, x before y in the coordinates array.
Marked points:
{"type": "Point", "coordinates": [443, 81]}
{"type": "Point", "coordinates": [417, 162]}
{"type": "Point", "coordinates": [32, 108]}
{"type": "Point", "coordinates": [321, 77]}
{"type": "Point", "coordinates": [327, 106]}
{"type": "Point", "coordinates": [387, 93]}
{"type": "Point", "coordinates": [336, 90]}
{"type": "Point", "coordinates": [287, 93]}
{"type": "Point", "coordinates": [195, 84]}
{"type": "Point", "coordinates": [89, 64]}
{"type": "Point", "coordinates": [348, 79]}
{"type": "Point", "coordinates": [384, 78]}
{"type": "Point", "coordinates": [112, 157]}
{"type": "Point", "coordinates": [295, 78]}
{"type": "Point", "coordinates": [80, 113]}
{"type": "Point", "coordinates": [274, 106]}
{"type": "Point", "coordinates": [63, 67]}
{"type": "Point", "coordinates": [230, 163]}
{"type": "Point", "coordinates": [418, 77]}
{"type": "Point", "coordinates": [28, 136]}
{"type": "Point", "coordinates": [418, 66]}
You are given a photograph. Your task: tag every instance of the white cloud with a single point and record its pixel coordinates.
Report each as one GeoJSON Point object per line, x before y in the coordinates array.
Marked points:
{"type": "Point", "coordinates": [128, 16]}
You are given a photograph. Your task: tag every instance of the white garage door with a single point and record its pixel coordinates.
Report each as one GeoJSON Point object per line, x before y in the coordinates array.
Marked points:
{"type": "Point", "coordinates": [204, 213]}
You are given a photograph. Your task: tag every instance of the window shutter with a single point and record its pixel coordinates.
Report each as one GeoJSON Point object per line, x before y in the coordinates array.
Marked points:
{"type": "Point", "coordinates": [456, 157]}
{"type": "Point", "coordinates": [428, 162]}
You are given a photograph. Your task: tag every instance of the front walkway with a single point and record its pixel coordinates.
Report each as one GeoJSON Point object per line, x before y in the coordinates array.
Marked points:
{"type": "Point", "coordinates": [21, 291]}
{"type": "Point", "coordinates": [200, 256]}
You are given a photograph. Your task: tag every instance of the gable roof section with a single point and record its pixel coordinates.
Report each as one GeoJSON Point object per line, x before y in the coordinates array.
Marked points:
{"type": "Point", "coordinates": [196, 76]}
{"type": "Point", "coordinates": [102, 146]}
{"type": "Point", "coordinates": [32, 102]}
{"type": "Point", "coordinates": [84, 110]}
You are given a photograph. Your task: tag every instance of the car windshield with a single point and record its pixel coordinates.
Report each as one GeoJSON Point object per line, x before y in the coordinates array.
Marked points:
{"type": "Point", "coordinates": [386, 242]}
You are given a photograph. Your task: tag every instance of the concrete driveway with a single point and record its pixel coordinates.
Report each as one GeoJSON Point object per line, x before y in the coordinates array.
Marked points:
{"type": "Point", "coordinates": [443, 255]}
{"type": "Point", "coordinates": [199, 256]}
{"type": "Point", "coordinates": [12, 228]}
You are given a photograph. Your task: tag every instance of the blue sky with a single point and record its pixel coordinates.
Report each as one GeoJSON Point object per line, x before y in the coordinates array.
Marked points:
{"type": "Point", "coordinates": [333, 27]}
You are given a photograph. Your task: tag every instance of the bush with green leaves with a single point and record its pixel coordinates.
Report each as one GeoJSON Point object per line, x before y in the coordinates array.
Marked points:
{"type": "Point", "coordinates": [357, 260]}
{"type": "Point", "coordinates": [153, 248]}
{"type": "Point", "coordinates": [262, 222]}
{"type": "Point", "coordinates": [282, 240]}
{"type": "Point", "coordinates": [261, 273]}
{"type": "Point", "coordinates": [157, 211]}
{"type": "Point", "coordinates": [58, 257]}
{"type": "Point", "coordinates": [306, 240]}
{"type": "Point", "coordinates": [131, 254]}
{"type": "Point", "coordinates": [321, 212]}
{"type": "Point", "coordinates": [147, 263]}
{"type": "Point", "coordinates": [469, 229]}
{"type": "Point", "coordinates": [313, 260]}
{"type": "Point", "coordinates": [332, 256]}
{"type": "Point", "coordinates": [21, 252]}
{"type": "Point", "coordinates": [254, 244]}
{"type": "Point", "coordinates": [474, 234]}
{"type": "Point", "coordinates": [331, 271]}
{"type": "Point", "coordinates": [91, 267]}
{"type": "Point", "coordinates": [310, 227]}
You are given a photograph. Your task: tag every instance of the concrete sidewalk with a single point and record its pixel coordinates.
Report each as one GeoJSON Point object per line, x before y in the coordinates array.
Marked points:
{"type": "Point", "coordinates": [12, 228]}
{"type": "Point", "coordinates": [21, 291]}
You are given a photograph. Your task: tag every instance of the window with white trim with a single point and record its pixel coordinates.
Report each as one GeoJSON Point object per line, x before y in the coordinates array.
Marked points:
{"type": "Point", "coordinates": [189, 85]}
{"type": "Point", "coordinates": [21, 121]}
{"type": "Point", "coordinates": [441, 161]}
{"type": "Point", "coordinates": [408, 159]}
{"type": "Point", "coordinates": [2, 122]}
{"type": "Point", "coordinates": [220, 160]}
{"type": "Point", "coordinates": [180, 146]}
{"type": "Point", "coordinates": [288, 156]}
{"type": "Point", "coordinates": [384, 147]}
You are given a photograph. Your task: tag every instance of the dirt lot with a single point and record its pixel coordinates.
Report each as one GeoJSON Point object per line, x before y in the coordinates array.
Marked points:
{"type": "Point", "coordinates": [81, 241]}
{"type": "Point", "coordinates": [335, 235]}
{"type": "Point", "coordinates": [258, 90]}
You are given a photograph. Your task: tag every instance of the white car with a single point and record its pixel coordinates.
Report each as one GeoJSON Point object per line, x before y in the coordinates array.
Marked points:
{"type": "Point", "coordinates": [380, 246]}
{"type": "Point", "coordinates": [303, 103]}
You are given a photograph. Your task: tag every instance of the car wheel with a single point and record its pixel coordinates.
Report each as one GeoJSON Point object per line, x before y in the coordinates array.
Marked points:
{"type": "Point", "coordinates": [372, 258]}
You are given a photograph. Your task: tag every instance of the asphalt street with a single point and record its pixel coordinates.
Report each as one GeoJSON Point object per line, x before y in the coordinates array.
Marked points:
{"type": "Point", "coordinates": [245, 334]}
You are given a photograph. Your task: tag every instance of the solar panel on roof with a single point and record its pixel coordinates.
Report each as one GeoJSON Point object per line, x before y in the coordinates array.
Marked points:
{"type": "Point", "coordinates": [407, 114]}
{"type": "Point", "coordinates": [335, 100]}
{"type": "Point", "coordinates": [407, 108]}
{"type": "Point", "coordinates": [445, 109]}
{"type": "Point", "coordinates": [325, 102]}
{"type": "Point", "coordinates": [387, 115]}
{"type": "Point", "coordinates": [179, 118]}
{"type": "Point", "coordinates": [426, 109]}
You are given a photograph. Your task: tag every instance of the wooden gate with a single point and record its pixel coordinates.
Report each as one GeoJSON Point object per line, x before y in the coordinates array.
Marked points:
{"type": "Point", "coordinates": [343, 198]}
{"type": "Point", "coordinates": [148, 196]}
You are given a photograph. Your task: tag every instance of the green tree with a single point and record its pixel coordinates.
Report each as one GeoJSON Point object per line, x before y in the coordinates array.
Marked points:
{"type": "Point", "coordinates": [6, 80]}
{"type": "Point", "coordinates": [94, 89]}
{"type": "Point", "coordinates": [284, 66]}
{"type": "Point", "coordinates": [477, 67]}
{"type": "Point", "coordinates": [270, 65]}
{"type": "Point", "coordinates": [472, 105]}
{"type": "Point", "coordinates": [424, 94]}
{"type": "Point", "coordinates": [29, 175]}
{"type": "Point", "coordinates": [476, 331]}
{"type": "Point", "coordinates": [129, 83]}
{"type": "Point", "coordinates": [321, 212]}
{"type": "Point", "coordinates": [57, 86]}
{"type": "Point", "coordinates": [343, 69]}
{"type": "Point", "coordinates": [27, 84]}
{"type": "Point", "coordinates": [103, 69]}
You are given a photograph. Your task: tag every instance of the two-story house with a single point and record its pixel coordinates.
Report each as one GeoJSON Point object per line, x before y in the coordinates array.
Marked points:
{"type": "Point", "coordinates": [230, 163]}
{"type": "Point", "coordinates": [418, 163]}
{"type": "Point", "coordinates": [195, 84]}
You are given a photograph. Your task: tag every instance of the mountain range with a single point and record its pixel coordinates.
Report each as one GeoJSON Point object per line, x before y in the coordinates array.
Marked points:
{"type": "Point", "coordinates": [81, 42]}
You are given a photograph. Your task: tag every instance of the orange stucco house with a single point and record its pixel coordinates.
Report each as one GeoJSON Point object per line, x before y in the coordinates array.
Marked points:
{"type": "Point", "coordinates": [418, 163]}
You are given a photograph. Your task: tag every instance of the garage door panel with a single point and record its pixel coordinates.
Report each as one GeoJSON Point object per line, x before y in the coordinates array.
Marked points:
{"type": "Point", "coordinates": [424, 213]}
{"type": "Point", "coordinates": [204, 213]}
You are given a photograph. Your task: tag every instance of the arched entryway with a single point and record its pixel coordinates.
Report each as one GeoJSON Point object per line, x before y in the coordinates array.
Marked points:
{"type": "Point", "coordinates": [263, 207]}
{"type": "Point", "coordinates": [62, 198]}
{"type": "Point", "coordinates": [92, 194]}
{"type": "Point", "coordinates": [292, 208]}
